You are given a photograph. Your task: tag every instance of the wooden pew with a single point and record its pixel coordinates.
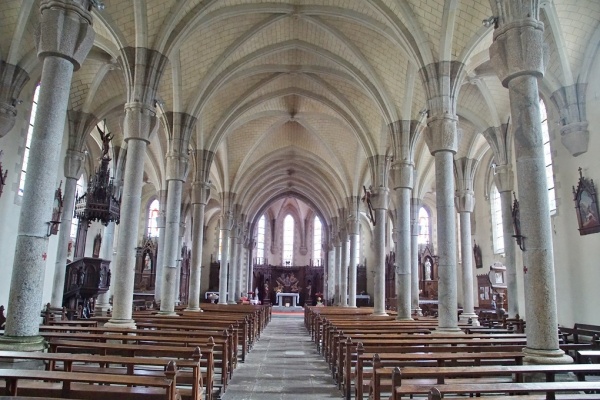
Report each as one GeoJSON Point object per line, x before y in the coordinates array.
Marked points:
{"type": "Point", "coordinates": [477, 389]}
{"type": "Point", "coordinates": [579, 332]}
{"type": "Point", "coordinates": [434, 359]}
{"type": "Point", "coordinates": [82, 385]}
{"type": "Point", "coordinates": [138, 350]}
{"type": "Point", "coordinates": [187, 372]}
{"type": "Point", "coordinates": [440, 375]}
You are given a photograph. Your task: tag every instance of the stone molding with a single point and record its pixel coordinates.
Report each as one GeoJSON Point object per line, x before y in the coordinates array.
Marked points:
{"type": "Point", "coordinates": [403, 175]}
{"type": "Point", "coordinates": [145, 68]}
{"type": "Point", "coordinates": [140, 122]}
{"type": "Point", "coordinates": [74, 164]}
{"type": "Point", "coordinates": [80, 124]}
{"type": "Point", "coordinates": [200, 192]}
{"type": "Point", "coordinates": [465, 201]}
{"type": "Point", "coordinates": [571, 104]}
{"type": "Point", "coordinates": [65, 30]}
{"type": "Point", "coordinates": [497, 138]}
{"type": "Point", "coordinates": [504, 178]}
{"type": "Point", "coordinates": [518, 49]}
{"type": "Point", "coordinates": [12, 80]}
{"type": "Point", "coordinates": [404, 134]}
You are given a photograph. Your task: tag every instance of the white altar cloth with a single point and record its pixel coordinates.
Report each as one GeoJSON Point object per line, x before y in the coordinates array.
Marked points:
{"type": "Point", "coordinates": [295, 297]}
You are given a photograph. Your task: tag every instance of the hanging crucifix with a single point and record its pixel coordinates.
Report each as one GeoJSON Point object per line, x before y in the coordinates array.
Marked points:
{"type": "Point", "coordinates": [367, 199]}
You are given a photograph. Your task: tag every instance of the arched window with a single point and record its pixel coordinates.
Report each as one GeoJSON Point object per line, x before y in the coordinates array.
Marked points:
{"type": "Point", "coordinates": [36, 95]}
{"type": "Point", "coordinates": [288, 240]}
{"type": "Point", "coordinates": [153, 213]}
{"type": "Point", "coordinates": [497, 228]}
{"type": "Point", "coordinates": [548, 158]}
{"type": "Point", "coordinates": [78, 192]}
{"type": "Point", "coordinates": [423, 226]}
{"type": "Point", "coordinates": [260, 241]}
{"type": "Point", "coordinates": [317, 240]}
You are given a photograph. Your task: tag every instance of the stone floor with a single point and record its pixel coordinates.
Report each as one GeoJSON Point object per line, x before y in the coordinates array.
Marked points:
{"type": "Point", "coordinates": [283, 365]}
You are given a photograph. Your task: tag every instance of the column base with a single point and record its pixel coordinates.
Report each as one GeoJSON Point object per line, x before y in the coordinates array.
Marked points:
{"type": "Point", "coordinates": [447, 331]}
{"type": "Point", "coordinates": [399, 318]}
{"type": "Point", "coordinates": [22, 343]}
{"type": "Point", "coordinates": [231, 302]}
{"type": "Point", "coordinates": [380, 314]}
{"type": "Point", "coordinates": [222, 303]}
{"type": "Point", "coordinates": [168, 313]}
{"type": "Point", "coordinates": [120, 323]}
{"type": "Point", "coordinates": [545, 357]}
{"type": "Point", "coordinates": [194, 309]}
{"type": "Point", "coordinates": [352, 307]}
{"type": "Point", "coordinates": [417, 311]}
{"type": "Point", "coordinates": [464, 318]}
{"type": "Point", "coordinates": [102, 310]}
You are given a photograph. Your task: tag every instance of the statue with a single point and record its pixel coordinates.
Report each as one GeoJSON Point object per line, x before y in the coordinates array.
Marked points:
{"type": "Point", "coordinates": [106, 138]}
{"type": "Point", "coordinates": [427, 269]}
{"type": "Point", "coordinates": [266, 290]}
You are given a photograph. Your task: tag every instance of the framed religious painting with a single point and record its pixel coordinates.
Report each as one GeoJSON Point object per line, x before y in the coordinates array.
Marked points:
{"type": "Point", "coordinates": [586, 206]}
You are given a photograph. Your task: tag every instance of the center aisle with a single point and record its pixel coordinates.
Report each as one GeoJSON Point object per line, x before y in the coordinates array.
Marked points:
{"type": "Point", "coordinates": [283, 365]}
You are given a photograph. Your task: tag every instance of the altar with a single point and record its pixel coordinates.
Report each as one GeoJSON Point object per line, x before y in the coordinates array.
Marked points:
{"type": "Point", "coordinates": [295, 296]}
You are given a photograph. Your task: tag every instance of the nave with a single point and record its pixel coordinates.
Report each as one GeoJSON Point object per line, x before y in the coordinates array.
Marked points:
{"type": "Point", "coordinates": [283, 365]}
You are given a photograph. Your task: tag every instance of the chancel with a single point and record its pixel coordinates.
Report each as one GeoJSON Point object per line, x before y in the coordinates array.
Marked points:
{"type": "Point", "coordinates": [426, 165]}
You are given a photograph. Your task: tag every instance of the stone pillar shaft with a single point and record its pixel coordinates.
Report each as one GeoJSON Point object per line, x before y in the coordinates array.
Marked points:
{"type": "Point", "coordinates": [446, 233]}
{"type": "Point", "coordinates": [467, 268]}
{"type": "Point", "coordinates": [196, 267]}
{"type": "Point", "coordinates": [414, 250]}
{"type": "Point", "coordinates": [171, 250]}
{"type": "Point", "coordinates": [509, 254]}
{"type": "Point", "coordinates": [106, 253]}
{"type": "Point", "coordinates": [535, 215]}
{"type": "Point", "coordinates": [160, 226]}
{"type": "Point", "coordinates": [403, 266]}
{"type": "Point", "coordinates": [233, 264]}
{"type": "Point", "coordinates": [338, 273]}
{"type": "Point", "coordinates": [124, 266]}
{"type": "Point", "coordinates": [345, 260]}
{"type": "Point", "coordinates": [379, 239]}
{"type": "Point", "coordinates": [27, 281]}
{"type": "Point", "coordinates": [240, 269]}
{"type": "Point", "coordinates": [224, 263]}
{"type": "Point", "coordinates": [64, 234]}
{"type": "Point", "coordinates": [352, 272]}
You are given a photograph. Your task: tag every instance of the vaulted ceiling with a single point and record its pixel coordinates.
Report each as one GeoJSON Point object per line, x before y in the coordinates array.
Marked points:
{"type": "Point", "coordinates": [295, 96]}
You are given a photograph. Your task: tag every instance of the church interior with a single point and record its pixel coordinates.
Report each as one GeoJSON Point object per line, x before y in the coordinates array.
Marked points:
{"type": "Point", "coordinates": [413, 159]}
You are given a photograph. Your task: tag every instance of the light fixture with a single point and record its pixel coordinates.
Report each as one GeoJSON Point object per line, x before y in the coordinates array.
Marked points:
{"type": "Point", "coordinates": [98, 4]}
{"type": "Point", "coordinates": [490, 21]}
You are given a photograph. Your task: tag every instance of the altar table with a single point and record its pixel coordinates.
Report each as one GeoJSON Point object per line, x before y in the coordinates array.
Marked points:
{"type": "Point", "coordinates": [295, 296]}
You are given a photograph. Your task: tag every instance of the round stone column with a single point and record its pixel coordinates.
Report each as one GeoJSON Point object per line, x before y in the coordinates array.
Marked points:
{"type": "Point", "coordinates": [226, 222]}
{"type": "Point", "coordinates": [344, 261]}
{"type": "Point", "coordinates": [66, 36]}
{"type": "Point", "coordinates": [338, 270]}
{"type": "Point", "coordinates": [241, 267]}
{"type": "Point", "coordinates": [446, 233]}
{"type": "Point", "coordinates": [200, 195]}
{"type": "Point", "coordinates": [403, 267]}
{"type": "Point", "coordinates": [520, 33]}
{"type": "Point", "coordinates": [160, 226]}
{"type": "Point", "coordinates": [353, 228]}
{"type": "Point", "coordinates": [170, 256]}
{"type": "Point", "coordinates": [380, 204]}
{"type": "Point", "coordinates": [73, 168]}
{"type": "Point", "coordinates": [139, 124]}
{"type": "Point", "coordinates": [505, 183]}
{"type": "Point", "coordinates": [233, 266]}
{"type": "Point", "coordinates": [106, 253]}
{"type": "Point", "coordinates": [466, 203]}
{"type": "Point", "coordinates": [415, 205]}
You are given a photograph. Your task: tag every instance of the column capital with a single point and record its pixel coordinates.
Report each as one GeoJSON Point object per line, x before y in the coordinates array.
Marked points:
{"type": "Point", "coordinates": [504, 178]}
{"type": "Point", "coordinates": [404, 134]}
{"type": "Point", "coordinates": [465, 201]}
{"type": "Point", "coordinates": [177, 167]}
{"type": "Point", "coordinates": [497, 138]}
{"type": "Point", "coordinates": [353, 225]}
{"type": "Point", "coordinates": [442, 133]}
{"type": "Point", "coordinates": [202, 161]}
{"type": "Point", "coordinates": [200, 192]}
{"type": "Point", "coordinates": [570, 101]}
{"type": "Point", "coordinates": [518, 47]}
{"type": "Point", "coordinates": [403, 175]}
{"type": "Point", "coordinates": [380, 198]}
{"type": "Point", "coordinates": [12, 80]}
{"type": "Point", "coordinates": [74, 164]}
{"type": "Point", "coordinates": [140, 121]}
{"type": "Point", "coordinates": [65, 30]}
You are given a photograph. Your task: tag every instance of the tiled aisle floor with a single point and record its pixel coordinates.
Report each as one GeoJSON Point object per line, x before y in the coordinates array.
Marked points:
{"type": "Point", "coordinates": [283, 365]}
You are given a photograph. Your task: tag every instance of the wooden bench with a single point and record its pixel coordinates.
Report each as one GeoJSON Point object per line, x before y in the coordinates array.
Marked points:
{"type": "Point", "coordinates": [579, 332]}
{"type": "Point", "coordinates": [382, 376]}
{"type": "Point", "coordinates": [80, 385]}
{"type": "Point", "coordinates": [137, 350]}
{"type": "Point", "coordinates": [188, 372]}
{"type": "Point", "coordinates": [428, 359]}
{"type": "Point", "coordinates": [477, 389]}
